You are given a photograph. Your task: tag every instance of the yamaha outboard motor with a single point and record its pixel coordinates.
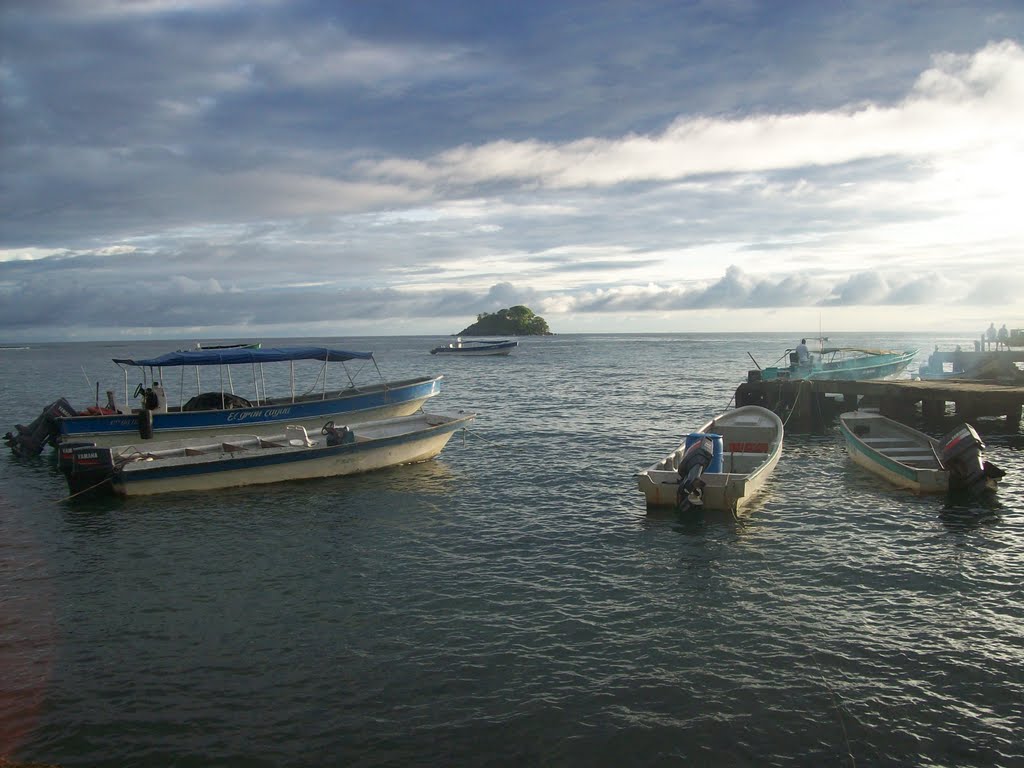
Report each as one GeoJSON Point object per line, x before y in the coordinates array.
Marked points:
{"type": "Point", "coordinates": [695, 460]}
{"type": "Point", "coordinates": [961, 456]}
{"type": "Point", "coordinates": [66, 452]}
{"type": "Point", "coordinates": [30, 440]}
{"type": "Point", "coordinates": [88, 469]}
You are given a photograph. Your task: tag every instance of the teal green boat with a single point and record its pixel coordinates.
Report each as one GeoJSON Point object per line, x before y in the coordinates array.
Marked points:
{"type": "Point", "coordinates": [846, 363]}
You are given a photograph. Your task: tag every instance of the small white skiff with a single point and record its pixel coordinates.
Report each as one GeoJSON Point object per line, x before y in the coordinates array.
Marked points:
{"type": "Point", "coordinates": [238, 460]}
{"type": "Point", "coordinates": [722, 466]}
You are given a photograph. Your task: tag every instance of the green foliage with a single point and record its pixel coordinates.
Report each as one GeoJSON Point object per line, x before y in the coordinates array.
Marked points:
{"type": "Point", "coordinates": [516, 321]}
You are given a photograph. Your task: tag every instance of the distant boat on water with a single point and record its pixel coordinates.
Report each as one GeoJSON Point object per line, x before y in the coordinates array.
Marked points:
{"type": "Point", "coordinates": [476, 348]}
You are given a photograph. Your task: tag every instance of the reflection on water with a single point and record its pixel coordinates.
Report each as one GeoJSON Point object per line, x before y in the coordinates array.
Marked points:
{"type": "Point", "coordinates": [962, 511]}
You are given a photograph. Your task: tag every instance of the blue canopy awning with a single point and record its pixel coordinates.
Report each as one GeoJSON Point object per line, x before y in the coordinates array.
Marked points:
{"type": "Point", "coordinates": [242, 356]}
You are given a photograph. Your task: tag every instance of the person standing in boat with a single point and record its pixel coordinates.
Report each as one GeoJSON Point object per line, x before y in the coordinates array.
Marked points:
{"type": "Point", "coordinates": [803, 355]}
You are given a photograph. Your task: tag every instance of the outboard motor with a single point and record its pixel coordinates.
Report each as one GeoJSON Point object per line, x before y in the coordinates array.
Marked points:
{"type": "Point", "coordinates": [30, 440]}
{"type": "Point", "coordinates": [961, 456]}
{"type": "Point", "coordinates": [338, 435]}
{"type": "Point", "coordinates": [65, 454]}
{"type": "Point", "coordinates": [153, 401]}
{"type": "Point", "coordinates": [695, 460]}
{"type": "Point", "coordinates": [88, 468]}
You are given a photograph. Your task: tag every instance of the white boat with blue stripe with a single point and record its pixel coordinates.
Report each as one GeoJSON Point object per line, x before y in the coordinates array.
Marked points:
{"type": "Point", "coordinates": [477, 348]}
{"type": "Point", "coordinates": [240, 460]}
{"type": "Point", "coordinates": [203, 410]}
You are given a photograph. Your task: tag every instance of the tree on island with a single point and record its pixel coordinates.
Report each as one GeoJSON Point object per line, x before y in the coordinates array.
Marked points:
{"type": "Point", "coordinates": [517, 321]}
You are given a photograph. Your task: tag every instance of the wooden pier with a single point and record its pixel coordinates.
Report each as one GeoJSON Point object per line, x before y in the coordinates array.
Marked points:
{"type": "Point", "coordinates": [811, 406]}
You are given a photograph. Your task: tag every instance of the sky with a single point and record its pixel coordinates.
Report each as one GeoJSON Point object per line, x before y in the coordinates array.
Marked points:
{"type": "Point", "coordinates": [281, 168]}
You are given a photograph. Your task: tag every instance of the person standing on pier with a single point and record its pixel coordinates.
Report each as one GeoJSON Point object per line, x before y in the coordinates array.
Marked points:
{"type": "Point", "coordinates": [990, 334]}
{"type": "Point", "coordinates": [1004, 337]}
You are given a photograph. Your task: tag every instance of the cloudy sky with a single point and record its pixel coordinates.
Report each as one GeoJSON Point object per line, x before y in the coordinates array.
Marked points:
{"type": "Point", "coordinates": [261, 168]}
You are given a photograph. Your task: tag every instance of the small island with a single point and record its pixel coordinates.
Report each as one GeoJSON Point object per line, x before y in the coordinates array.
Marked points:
{"type": "Point", "coordinates": [517, 321]}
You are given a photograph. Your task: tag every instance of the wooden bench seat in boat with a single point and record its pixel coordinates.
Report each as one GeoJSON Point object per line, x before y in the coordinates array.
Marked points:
{"type": "Point", "coordinates": [917, 459]}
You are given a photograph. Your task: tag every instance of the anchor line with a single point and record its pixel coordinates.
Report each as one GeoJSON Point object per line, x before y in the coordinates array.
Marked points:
{"type": "Point", "coordinates": [85, 490]}
{"type": "Point", "coordinates": [485, 439]}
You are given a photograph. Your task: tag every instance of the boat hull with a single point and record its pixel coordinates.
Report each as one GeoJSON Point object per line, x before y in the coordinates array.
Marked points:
{"type": "Point", "coordinates": [354, 405]}
{"type": "Point", "coordinates": [380, 444]}
{"type": "Point", "coordinates": [752, 445]}
{"type": "Point", "coordinates": [476, 349]}
{"type": "Point", "coordinates": [504, 352]}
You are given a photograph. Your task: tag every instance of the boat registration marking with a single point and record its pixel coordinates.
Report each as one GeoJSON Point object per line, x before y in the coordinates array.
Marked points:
{"type": "Point", "coordinates": [260, 413]}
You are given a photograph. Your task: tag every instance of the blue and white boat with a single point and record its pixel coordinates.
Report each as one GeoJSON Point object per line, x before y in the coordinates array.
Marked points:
{"type": "Point", "coordinates": [142, 469]}
{"type": "Point", "coordinates": [203, 412]}
{"type": "Point", "coordinates": [476, 348]}
{"type": "Point", "coordinates": [845, 363]}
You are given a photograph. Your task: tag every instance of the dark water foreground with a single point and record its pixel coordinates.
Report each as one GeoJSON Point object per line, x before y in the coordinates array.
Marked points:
{"type": "Point", "coordinates": [512, 603]}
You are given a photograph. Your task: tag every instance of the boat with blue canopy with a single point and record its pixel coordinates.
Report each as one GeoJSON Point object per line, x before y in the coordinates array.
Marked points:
{"type": "Point", "coordinates": [202, 409]}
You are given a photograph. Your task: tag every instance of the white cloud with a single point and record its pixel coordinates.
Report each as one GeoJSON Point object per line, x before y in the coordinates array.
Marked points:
{"type": "Point", "coordinates": [962, 104]}
{"type": "Point", "coordinates": [119, 8]}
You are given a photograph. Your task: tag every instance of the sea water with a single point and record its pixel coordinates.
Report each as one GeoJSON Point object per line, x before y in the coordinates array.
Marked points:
{"type": "Point", "coordinates": [512, 602]}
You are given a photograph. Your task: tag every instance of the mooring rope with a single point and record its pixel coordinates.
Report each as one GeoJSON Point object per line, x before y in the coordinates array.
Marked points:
{"type": "Point", "coordinates": [85, 490]}
{"type": "Point", "coordinates": [792, 408]}
{"type": "Point", "coordinates": [485, 439]}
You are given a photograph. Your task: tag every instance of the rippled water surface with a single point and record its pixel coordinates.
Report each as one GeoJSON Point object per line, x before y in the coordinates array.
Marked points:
{"type": "Point", "coordinates": [512, 602]}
